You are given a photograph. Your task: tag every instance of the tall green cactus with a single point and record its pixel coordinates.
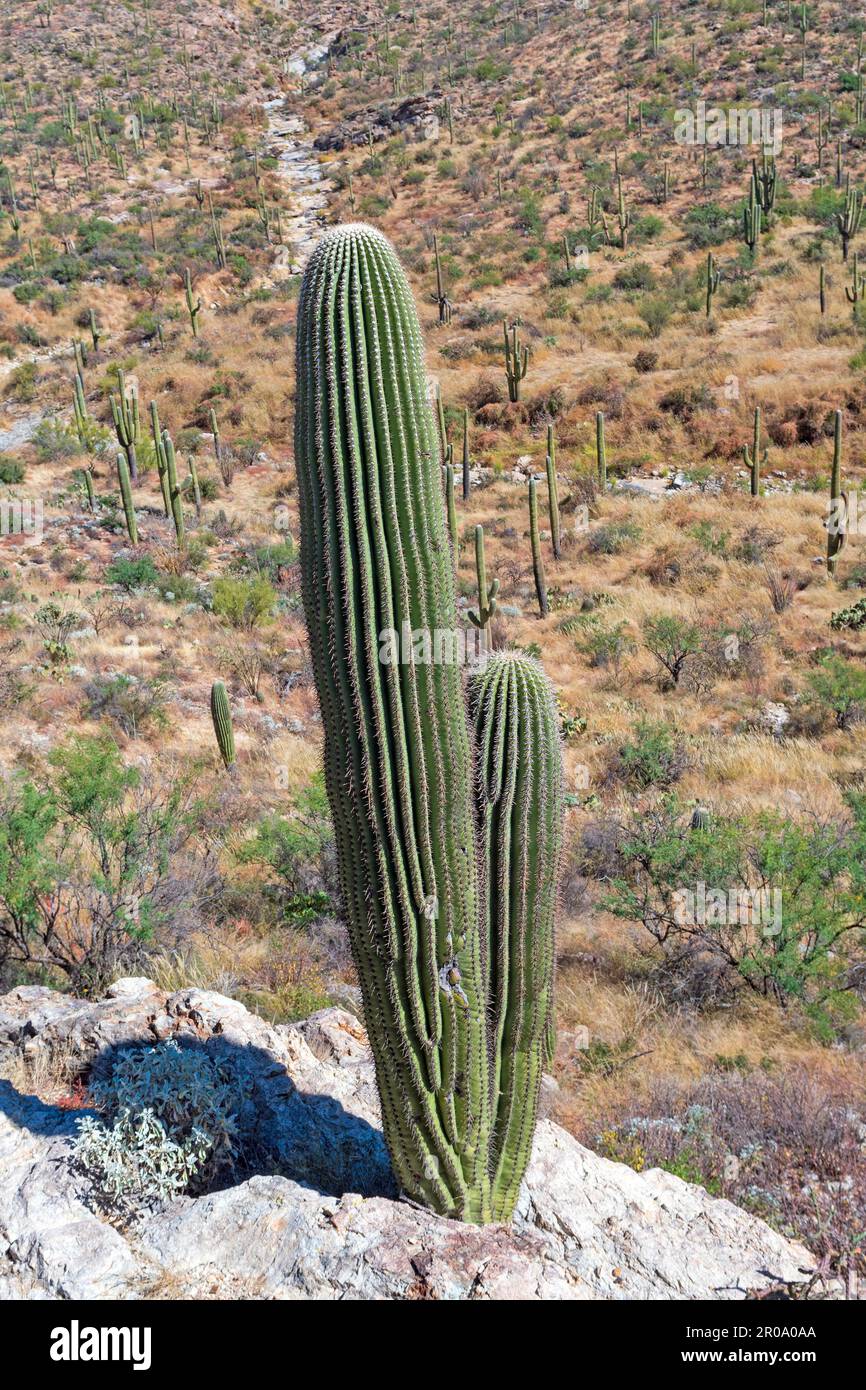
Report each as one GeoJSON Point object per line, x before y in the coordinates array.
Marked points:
{"type": "Point", "coordinates": [486, 593]}
{"type": "Point", "coordinates": [849, 219]}
{"type": "Point", "coordinates": [837, 531]}
{"type": "Point", "coordinates": [126, 498]}
{"type": "Point", "coordinates": [516, 360]}
{"type": "Point", "coordinates": [455, 974]}
{"type": "Point", "coordinates": [221, 714]}
{"type": "Point", "coordinates": [600, 451]}
{"type": "Point", "coordinates": [193, 305]}
{"type": "Point", "coordinates": [127, 425]}
{"type": "Point", "coordinates": [535, 546]}
{"type": "Point", "coordinates": [714, 278]}
{"type": "Point", "coordinates": [757, 457]}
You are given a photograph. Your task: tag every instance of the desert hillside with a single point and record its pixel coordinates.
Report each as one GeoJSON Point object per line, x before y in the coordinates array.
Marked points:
{"type": "Point", "coordinates": [634, 237]}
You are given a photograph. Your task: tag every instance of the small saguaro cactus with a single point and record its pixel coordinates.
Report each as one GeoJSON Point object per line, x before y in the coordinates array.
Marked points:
{"type": "Point", "coordinates": [127, 425]}
{"type": "Point", "coordinates": [126, 498]}
{"type": "Point", "coordinates": [516, 360]}
{"type": "Point", "coordinates": [486, 593]}
{"type": "Point", "coordinates": [467, 480]}
{"type": "Point", "coordinates": [451, 507]}
{"type": "Point", "coordinates": [87, 476]}
{"type": "Point", "coordinates": [159, 453]}
{"type": "Point", "coordinates": [535, 544]}
{"type": "Point", "coordinates": [221, 714]}
{"type": "Point", "coordinates": [95, 331]}
{"type": "Point", "coordinates": [194, 485]}
{"type": "Point", "coordinates": [714, 278]}
{"type": "Point", "coordinates": [837, 529]}
{"type": "Point", "coordinates": [764, 179]}
{"type": "Point", "coordinates": [553, 504]}
{"type": "Point", "coordinates": [752, 219]}
{"type": "Point", "coordinates": [849, 219]}
{"type": "Point", "coordinates": [757, 457]}
{"type": "Point", "coordinates": [429, 798]}
{"type": "Point", "coordinates": [193, 305]}
{"type": "Point", "coordinates": [600, 451]}
{"type": "Point", "coordinates": [855, 292]}
{"type": "Point", "coordinates": [822, 292]}
{"type": "Point", "coordinates": [79, 410]}
{"type": "Point", "coordinates": [175, 495]}
{"type": "Point", "coordinates": [446, 308]}
{"type": "Point", "coordinates": [700, 818]}
{"type": "Point", "coordinates": [623, 216]}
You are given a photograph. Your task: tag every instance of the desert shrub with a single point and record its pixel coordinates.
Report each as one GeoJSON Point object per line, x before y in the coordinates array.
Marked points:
{"type": "Point", "coordinates": [55, 623]}
{"type": "Point", "coordinates": [838, 688]}
{"type": "Point", "coordinates": [132, 573]}
{"type": "Point", "coordinates": [787, 1147]}
{"type": "Point", "coordinates": [21, 383]}
{"type": "Point", "coordinates": [96, 864]}
{"type": "Point", "coordinates": [652, 757]}
{"type": "Point", "coordinates": [853, 617]}
{"type": "Point", "coordinates": [298, 849]}
{"type": "Point", "coordinates": [612, 538]}
{"type": "Point", "coordinates": [778, 902]}
{"type": "Point", "coordinates": [11, 470]}
{"type": "Point", "coordinates": [169, 1125]}
{"type": "Point", "coordinates": [635, 276]}
{"type": "Point", "coordinates": [136, 706]}
{"type": "Point", "coordinates": [645, 361]}
{"type": "Point", "coordinates": [674, 642]}
{"type": "Point", "coordinates": [606, 646]}
{"type": "Point", "coordinates": [243, 603]}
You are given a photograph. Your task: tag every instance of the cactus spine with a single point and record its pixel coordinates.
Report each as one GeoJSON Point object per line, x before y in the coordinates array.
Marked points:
{"type": "Point", "coordinates": [486, 595]}
{"type": "Point", "coordinates": [837, 533]}
{"type": "Point", "coordinates": [399, 760]}
{"type": "Point", "coordinates": [126, 498]}
{"type": "Point", "coordinates": [221, 714]}
{"type": "Point", "coordinates": [757, 457]}
{"type": "Point", "coordinates": [516, 361]}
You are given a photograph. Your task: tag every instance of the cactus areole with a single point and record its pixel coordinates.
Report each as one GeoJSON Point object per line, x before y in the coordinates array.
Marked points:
{"type": "Point", "coordinates": [447, 812]}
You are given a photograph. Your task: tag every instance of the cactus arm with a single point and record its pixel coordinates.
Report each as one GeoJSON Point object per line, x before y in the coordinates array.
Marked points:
{"type": "Point", "coordinates": [520, 817]}
{"type": "Point", "coordinates": [221, 715]}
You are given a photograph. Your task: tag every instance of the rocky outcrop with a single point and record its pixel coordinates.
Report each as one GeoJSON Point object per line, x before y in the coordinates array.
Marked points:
{"type": "Point", "coordinates": [318, 1215]}
{"type": "Point", "coordinates": [417, 117]}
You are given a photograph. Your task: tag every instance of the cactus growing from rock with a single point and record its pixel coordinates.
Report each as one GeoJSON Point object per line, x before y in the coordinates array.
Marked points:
{"type": "Point", "coordinates": [126, 498]}
{"type": "Point", "coordinates": [757, 457]}
{"type": "Point", "coordinates": [221, 714]}
{"type": "Point", "coordinates": [449, 898]}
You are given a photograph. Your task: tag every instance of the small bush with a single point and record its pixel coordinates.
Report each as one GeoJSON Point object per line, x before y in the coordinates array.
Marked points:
{"type": "Point", "coordinates": [243, 603]}
{"type": "Point", "coordinates": [11, 470]}
{"type": "Point", "coordinates": [654, 757]}
{"type": "Point", "coordinates": [139, 573]}
{"type": "Point", "coordinates": [170, 1125]}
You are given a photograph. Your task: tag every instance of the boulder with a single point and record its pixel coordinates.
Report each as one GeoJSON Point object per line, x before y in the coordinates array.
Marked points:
{"type": "Point", "coordinates": [316, 1214]}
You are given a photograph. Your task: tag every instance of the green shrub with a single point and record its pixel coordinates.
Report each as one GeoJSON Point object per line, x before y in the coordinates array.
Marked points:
{"type": "Point", "coordinates": [11, 470]}
{"type": "Point", "coordinates": [838, 688]}
{"type": "Point", "coordinates": [243, 603]}
{"type": "Point", "coordinates": [137, 573]}
{"type": "Point", "coordinates": [654, 757]}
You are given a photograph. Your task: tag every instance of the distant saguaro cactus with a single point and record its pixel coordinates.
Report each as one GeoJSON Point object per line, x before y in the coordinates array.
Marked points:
{"type": "Point", "coordinates": [455, 957]}
{"type": "Point", "coordinates": [221, 714]}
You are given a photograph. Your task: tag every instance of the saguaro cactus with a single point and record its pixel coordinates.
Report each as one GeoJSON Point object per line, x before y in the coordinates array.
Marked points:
{"type": "Point", "coordinates": [837, 532]}
{"type": "Point", "coordinates": [486, 594]}
{"type": "Point", "coordinates": [516, 361]}
{"type": "Point", "coordinates": [127, 425]}
{"type": "Point", "coordinates": [849, 219]}
{"type": "Point", "coordinates": [714, 278]}
{"type": "Point", "coordinates": [456, 977]}
{"type": "Point", "coordinates": [535, 545]}
{"type": "Point", "coordinates": [757, 457]}
{"type": "Point", "coordinates": [126, 498]}
{"type": "Point", "coordinates": [193, 305]}
{"type": "Point", "coordinates": [221, 714]}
